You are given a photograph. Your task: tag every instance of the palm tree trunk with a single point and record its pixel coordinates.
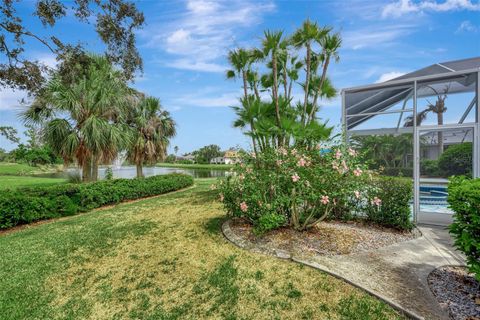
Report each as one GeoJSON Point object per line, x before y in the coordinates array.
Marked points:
{"type": "Point", "coordinates": [87, 171]}
{"type": "Point", "coordinates": [320, 86]}
{"type": "Point", "coordinates": [307, 82]}
{"type": "Point", "coordinates": [95, 169]}
{"type": "Point", "coordinates": [275, 90]}
{"type": "Point", "coordinates": [139, 170]}
{"type": "Point", "coordinates": [244, 76]}
{"type": "Point", "coordinates": [255, 89]}
{"type": "Point", "coordinates": [440, 133]}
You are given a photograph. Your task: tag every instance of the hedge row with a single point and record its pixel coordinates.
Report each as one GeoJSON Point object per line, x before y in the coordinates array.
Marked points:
{"type": "Point", "coordinates": [464, 200]}
{"type": "Point", "coordinates": [27, 205]}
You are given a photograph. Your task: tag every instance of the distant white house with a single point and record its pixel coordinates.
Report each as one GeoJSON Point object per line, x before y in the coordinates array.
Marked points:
{"type": "Point", "coordinates": [230, 157]}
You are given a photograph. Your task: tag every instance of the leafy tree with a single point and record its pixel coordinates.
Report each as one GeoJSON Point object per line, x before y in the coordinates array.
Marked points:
{"type": "Point", "coordinates": [207, 153]}
{"type": "Point", "coordinates": [115, 22]}
{"type": "Point", "coordinates": [9, 133]}
{"type": "Point", "coordinates": [82, 120]}
{"type": "Point", "coordinates": [151, 128]}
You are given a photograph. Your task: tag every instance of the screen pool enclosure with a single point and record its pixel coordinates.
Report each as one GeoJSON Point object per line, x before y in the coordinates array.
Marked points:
{"type": "Point", "coordinates": [423, 125]}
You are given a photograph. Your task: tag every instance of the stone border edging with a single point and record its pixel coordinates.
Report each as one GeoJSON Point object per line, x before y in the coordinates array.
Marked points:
{"type": "Point", "coordinates": [282, 254]}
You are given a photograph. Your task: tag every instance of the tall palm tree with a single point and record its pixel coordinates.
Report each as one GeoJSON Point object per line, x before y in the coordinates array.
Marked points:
{"type": "Point", "coordinates": [330, 45]}
{"type": "Point", "coordinates": [151, 128]}
{"type": "Point", "coordinates": [272, 43]}
{"type": "Point", "coordinates": [80, 117]}
{"type": "Point", "coordinates": [308, 34]}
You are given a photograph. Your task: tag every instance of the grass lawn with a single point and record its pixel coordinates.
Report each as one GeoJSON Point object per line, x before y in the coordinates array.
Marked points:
{"type": "Point", "coordinates": [196, 166]}
{"type": "Point", "coordinates": [7, 168]}
{"type": "Point", "coordinates": [162, 258]}
{"type": "Point", "coordinates": [12, 182]}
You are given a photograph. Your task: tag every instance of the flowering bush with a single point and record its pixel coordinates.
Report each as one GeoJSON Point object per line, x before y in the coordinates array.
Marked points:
{"type": "Point", "coordinates": [296, 187]}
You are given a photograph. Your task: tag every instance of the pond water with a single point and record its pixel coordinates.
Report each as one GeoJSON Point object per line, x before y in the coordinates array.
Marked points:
{"type": "Point", "coordinates": [129, 172]}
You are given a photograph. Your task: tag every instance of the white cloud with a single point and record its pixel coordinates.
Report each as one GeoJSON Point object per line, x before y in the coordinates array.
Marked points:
{"type": "Point", "coordinates": [402, 7]}
{"type": "Point", "coordinates": [199, 38]}
{"type": "Point", "coordinates": [467, 26]}
{"type": "Point", "coordinates": [369, 37]}
{"type": "Point", "coordinates": [389, 76]}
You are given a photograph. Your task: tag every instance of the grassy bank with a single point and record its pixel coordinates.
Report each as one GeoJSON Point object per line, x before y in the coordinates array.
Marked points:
{"type": "Point", "coordinates": [13, 182]}
{"type": "Point", "coordinates": [19, 169]}
{"type": "Point", "coordinates": [162, 258]}
{"type": "Point", "coordinates": [196, 166]}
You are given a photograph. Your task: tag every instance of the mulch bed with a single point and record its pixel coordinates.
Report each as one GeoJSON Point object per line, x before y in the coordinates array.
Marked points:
{"type": "Point", "coordinates": [327, 238]}
{"type": "Point", "coordinates": [457, 291]}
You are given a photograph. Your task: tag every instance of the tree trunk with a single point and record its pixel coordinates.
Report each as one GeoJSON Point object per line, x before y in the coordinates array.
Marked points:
{"type": "Point", "coordinates": [87, 171]}
{"type": "Point", "coordinates": [322, 80]}
{"type": "Point", "coordinates": [244, 76]}
{"type": "Point", "coordinates": [307, 82]}
{"type": "Point", "coordinates": [94, 169]}
{"type": "Point", "coordinates": [275, 91]}
{"type": "Point", "coordinates": [139, 170]}
{"type": "Point", "coordinates": [440, 133]}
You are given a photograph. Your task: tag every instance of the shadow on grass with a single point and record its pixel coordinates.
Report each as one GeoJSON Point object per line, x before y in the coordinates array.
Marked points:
{"type": "Point", "coordinates": [214, 225]}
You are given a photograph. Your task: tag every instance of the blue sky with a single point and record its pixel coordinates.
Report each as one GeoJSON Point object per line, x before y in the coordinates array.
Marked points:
{"type": "Point", "coordinates": [184, 47]}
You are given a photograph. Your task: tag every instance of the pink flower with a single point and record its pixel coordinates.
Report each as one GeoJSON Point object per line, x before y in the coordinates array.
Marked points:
{"type": "Point", "coordinates": [338, 154]}
{"type": "Point", "coordinates": [295, 177]}
{"type": "Point", "coordinates": [335, 166]}
{"type": "Point", "coordinates": [352, 152]}
{"type": "Point", "coordinates": [357, 194]}
{"type": "Point", "coordinates": [221, 197]}
{"type": "Point", "coordinates": [243, 206]}
{"type": "Point", "coordinates": [282, 151]}
{"type": "Point", "coordinates": [249, 170]}
{"type": "Point", "coordinates": [302, 162]}
{"type": "Point", "coordinates": [241, 177]}
{"type": "Point", "coordinates": [357, 172]}
{"type": "Point", "coordinates": [325, 200]}
{"type": "Point", "coordinates": [376, 201]}
{"type": "Point", "coordinates": [279, 162]}
{"type": "Point", "coordinates": [344, 165]}
{"type": "Point", "coordinates": [254, 155]}
{"type": "Point", "coordinates": [294, 152]}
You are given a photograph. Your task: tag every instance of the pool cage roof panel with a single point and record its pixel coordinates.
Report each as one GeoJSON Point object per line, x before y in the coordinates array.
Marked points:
{"type": "Point", "coordinates": [362, 103]}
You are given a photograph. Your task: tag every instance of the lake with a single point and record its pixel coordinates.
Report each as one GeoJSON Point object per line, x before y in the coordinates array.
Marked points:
{"type": "Point", "coordinates": [129, 172]}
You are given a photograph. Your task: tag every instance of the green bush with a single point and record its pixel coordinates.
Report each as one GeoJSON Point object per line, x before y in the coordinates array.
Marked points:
{"type": "Point", "coordinates": [27, 205]}
{"type": "Point", "coordinates": [457, 160]}
{"type": "Point", "coordinates": [464, 200]}
{"type": "Point", "coordinates": [390, 202]}
{"type": "Point", "coordinates": [398, 172]}
{"type": "Point", "coordinates": [430, 168]}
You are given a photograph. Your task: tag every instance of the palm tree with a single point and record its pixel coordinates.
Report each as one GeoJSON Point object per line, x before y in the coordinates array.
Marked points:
{"type": "Point", "coordinates": [305, 36]}
{"type": "Point", "coordinates": [81, 117]}
{"type": "Point", "coordinates": [330, 45]}
{"type": "Point", "coordinates": [151, 127]}
{"type": "Point", "coordinates": [271, 45]}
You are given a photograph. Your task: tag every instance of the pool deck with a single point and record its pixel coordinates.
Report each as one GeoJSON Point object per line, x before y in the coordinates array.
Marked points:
{"type": "Point", "coordinates": [396, 274]}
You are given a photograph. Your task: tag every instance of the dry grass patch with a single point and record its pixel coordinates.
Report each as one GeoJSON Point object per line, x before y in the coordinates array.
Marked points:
{"type": "Point", "coordinates": [167, 259]}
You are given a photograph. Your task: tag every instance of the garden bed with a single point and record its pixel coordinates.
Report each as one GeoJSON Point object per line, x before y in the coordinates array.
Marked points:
{"type": "Point", "coordinates": [457, 291]}
{"type": "Point", "coordinates": [327, 238]}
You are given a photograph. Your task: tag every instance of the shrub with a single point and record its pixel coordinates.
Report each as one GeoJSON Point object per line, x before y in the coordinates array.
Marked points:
{"type": "Point", "coordinates": [389, 202]}
{"type": "Point", "coordinates": [457, 160]}
{"type": "Point", "coordinates": [31, 204]}
{"type": "Point", "coordinates": [302, 186]}
{"type": "Point", "coordinates": [464, 200]}
{"type": "Point", "coordinates": [430, 168]}
{"type": "Point", "coordinates": [398, 172]}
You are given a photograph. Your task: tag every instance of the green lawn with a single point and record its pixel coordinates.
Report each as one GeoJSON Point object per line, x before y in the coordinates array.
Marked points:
{"type": "Point", "coordinates": [12, 182]}
{"type": "Point", "coordinates": [196, 166]}
{"type": "Point", "coordinates": [162, 258]}
{"type": "Point", "coordinates": [7, 168]}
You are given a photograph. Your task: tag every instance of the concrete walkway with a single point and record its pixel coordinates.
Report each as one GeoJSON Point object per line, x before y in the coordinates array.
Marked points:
{"type": "Point", "coordinates": [397, 273]}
